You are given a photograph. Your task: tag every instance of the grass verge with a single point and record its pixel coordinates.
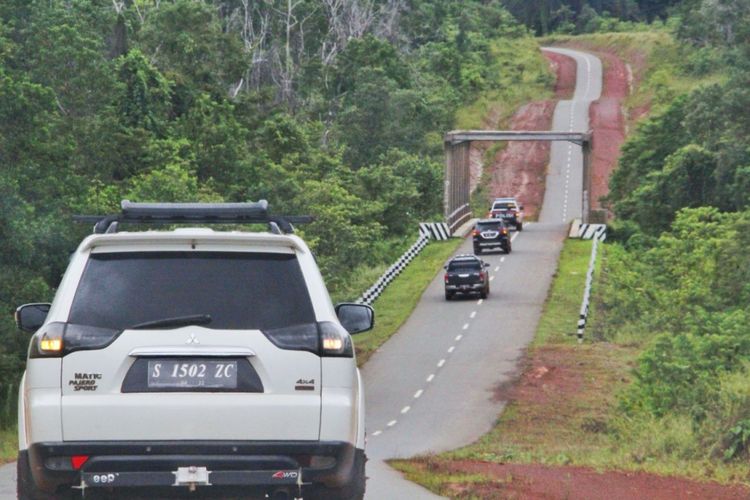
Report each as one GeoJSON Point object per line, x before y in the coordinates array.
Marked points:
{"type": "Point", "coordinates": [8, 445]}
{"type": "Point", "coordinates": [397, 302]}
{"type": "Point", "coordinates": [560, 314]}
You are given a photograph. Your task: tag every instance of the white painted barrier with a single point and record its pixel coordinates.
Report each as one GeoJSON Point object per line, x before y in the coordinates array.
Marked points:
{"type": "Point", "coordinates": [584, 313]}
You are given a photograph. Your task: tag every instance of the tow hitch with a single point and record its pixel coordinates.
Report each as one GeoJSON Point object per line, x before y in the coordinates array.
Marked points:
{"type": "Point", "coordinates": [191, 477]}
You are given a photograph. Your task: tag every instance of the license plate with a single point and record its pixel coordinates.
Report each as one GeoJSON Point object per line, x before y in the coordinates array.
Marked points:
{"type": "Point", "coordinates": [187, 374]}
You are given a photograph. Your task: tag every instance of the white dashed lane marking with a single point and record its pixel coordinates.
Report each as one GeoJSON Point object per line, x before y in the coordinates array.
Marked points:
{"type": "Point", "coordinates": [442, 362]}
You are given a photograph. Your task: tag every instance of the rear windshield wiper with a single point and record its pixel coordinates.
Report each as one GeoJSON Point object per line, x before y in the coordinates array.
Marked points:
{"type": "Point", "coordinates": [194, 319]}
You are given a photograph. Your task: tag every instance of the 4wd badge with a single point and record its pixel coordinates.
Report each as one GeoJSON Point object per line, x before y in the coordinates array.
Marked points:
{"type": "Point", "coordinates": [305, 385]}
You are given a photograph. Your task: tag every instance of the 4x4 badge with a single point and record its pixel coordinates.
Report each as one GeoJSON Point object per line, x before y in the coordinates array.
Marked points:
{"type": "Point", "coordinates": [192, 340]}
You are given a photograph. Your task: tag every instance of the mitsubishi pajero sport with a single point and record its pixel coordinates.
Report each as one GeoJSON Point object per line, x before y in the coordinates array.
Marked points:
{"type": "Point", "coordinates": [191, 359]}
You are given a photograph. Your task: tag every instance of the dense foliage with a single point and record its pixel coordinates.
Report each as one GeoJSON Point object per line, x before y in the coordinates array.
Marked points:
{"type": "Point", "coordinates": [678, 281]}
{"type": "Point", "coordinates": [330, 107]}
{"type": "Point", "coordinates": [589, 16]}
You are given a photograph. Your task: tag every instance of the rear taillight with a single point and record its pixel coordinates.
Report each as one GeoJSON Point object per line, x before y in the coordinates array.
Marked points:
{"type": "Point", "coordinates": [65, 463]}
{"type": "Point", "coordinates": [481, 276]}
{"type": "Point", "coordinates": [48, 341]}
{"type": "Point", "coordinates": [50, 345]}
{"type": "Point", "coordinates": [335, 341]}
{"type": "Point", "coordinates": [323, 339]}
{"type": "Point", "coordinates": [476, 232]}
{"type": "Point", "coordinates": [505, 231]}
{"type": "Point", "coordinates": [446, 278]}
{"type": "Point", "coordinates": [58, 339]}
{"type": "Point", "coordinates": [295, 338]}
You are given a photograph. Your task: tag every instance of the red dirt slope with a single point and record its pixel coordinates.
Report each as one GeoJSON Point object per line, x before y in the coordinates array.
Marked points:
{"type": "Point", "coordinates": [608, 124]}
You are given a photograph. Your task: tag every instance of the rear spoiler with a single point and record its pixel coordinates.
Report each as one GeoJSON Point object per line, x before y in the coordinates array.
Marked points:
{"type": "Point", "coordinates": [187, 213]}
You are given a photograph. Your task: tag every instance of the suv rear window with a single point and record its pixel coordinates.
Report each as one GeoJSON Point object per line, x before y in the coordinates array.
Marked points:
{"type": "Point", "coordinates": [494, 226]}
{"type": "Point", "coordinates": [461, 265]}
{"type": "Point", "coordinates": [239, 290]}
{"type": "Point", "coordinates": [504, 206]}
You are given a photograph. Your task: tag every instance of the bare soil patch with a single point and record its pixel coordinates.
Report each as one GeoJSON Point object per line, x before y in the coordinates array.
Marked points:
{"type": "Point", "coordinates": [514, 481]}
{"type": "Point", "coordinates": [607, 121]}
{"type": "Point", "coordinates": [519, 169]}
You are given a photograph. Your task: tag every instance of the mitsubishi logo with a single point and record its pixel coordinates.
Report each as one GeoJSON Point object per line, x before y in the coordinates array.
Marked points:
{"type": "Point", "coordinates": [192, 339]}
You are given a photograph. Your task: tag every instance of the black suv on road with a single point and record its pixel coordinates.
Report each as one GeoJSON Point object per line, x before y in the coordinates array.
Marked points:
{"type": "Point", "coordinates": [490, 234]}
{"type": "Point", "coordinates": [466, 274]}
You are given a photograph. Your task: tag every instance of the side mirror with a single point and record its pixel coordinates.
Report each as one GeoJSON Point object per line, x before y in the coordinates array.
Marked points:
{"type": "Point", "coordinates": [29, 317]}
{"type": "Point", "coordinates": [520, 207]}
{"type": "Point", "coordinates": [445, 267]}
{"type": "Point", "coordinates": [356, 318]}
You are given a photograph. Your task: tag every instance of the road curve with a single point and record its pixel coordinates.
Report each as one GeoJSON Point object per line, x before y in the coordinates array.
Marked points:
{"type": "Point", "coordinates": [431, 387]}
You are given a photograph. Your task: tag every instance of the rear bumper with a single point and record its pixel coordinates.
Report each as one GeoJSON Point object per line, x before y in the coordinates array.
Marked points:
{"type": "Point", "coordinates": [512, 220]}
{"type": "Point", "coordinates": [475, 287]}
{"type": "Point", "coordinates": [155, 463]}
{"type": "Point", "coordinates": [492, 243]}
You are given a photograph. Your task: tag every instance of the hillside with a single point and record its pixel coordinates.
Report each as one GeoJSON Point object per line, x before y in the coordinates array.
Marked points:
{"type": "Point", "coordinates": [655, 388]}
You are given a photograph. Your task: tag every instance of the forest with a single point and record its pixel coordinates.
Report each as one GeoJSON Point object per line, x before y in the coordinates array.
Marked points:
{"type": "Point", "coordinates": [334, 108]}
{"type": "Point", "coordinates": [677, 280]}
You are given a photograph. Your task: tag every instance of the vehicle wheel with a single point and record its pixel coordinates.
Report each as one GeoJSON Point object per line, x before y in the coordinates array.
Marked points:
{"type": "Point", "coordinates": [448, 295]}
{"type": "Point", "coordinates": [477, 250]}
{"type": "Point", "coordinates": [26, 487]}
{"type": "Point", "coordinates": [353, 490]}
{"type": "Point", "coordinates": [519, 226]}
{"type": "Point", "coordinates": [507, 248]}
{"type": "Point", "coordinates": [483, 294]}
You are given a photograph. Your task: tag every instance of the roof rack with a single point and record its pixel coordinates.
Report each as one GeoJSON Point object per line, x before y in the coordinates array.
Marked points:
{"type": "Point", "coordinates": [203, 213]}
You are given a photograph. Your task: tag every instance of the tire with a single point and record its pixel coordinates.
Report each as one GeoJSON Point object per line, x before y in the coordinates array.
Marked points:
{"type": "Point", "coordinates": [448, 295]}
{"type": "Point", "coordinates": [477, 250]}
{"type": "Point", "coordinates": [507, 248]}
{"type": "Point", "coordinates": [26, 488]}
{"type": "Point", "coordinates": [352, 490]}
{"type": "Point", "coordinates": [519, 226]}
{"type": "Point", "coordinates": [483, 294]}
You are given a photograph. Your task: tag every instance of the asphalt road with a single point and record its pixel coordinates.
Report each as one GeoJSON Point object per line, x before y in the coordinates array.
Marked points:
{"type": "Point", "coordinates": [431, 387]}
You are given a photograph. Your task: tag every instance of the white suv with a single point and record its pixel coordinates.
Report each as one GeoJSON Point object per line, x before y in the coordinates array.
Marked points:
{"type": "Point", "coordinates": [171, 361]}
{"type": "Point", "coordinates": [509, 210]}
